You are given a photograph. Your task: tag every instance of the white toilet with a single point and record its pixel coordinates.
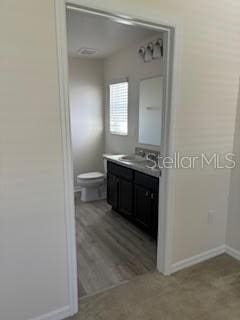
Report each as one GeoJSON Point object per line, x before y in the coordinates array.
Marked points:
{"type": "Point", "coordinates": [93, 186]}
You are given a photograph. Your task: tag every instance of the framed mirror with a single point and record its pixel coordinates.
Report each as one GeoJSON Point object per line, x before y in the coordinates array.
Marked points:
{"type": "Point", "coordinates": [150, 111]}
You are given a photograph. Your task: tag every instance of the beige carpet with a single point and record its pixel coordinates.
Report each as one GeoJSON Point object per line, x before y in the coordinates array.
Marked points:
{"type": "Point", "coordinates": [210, 290]}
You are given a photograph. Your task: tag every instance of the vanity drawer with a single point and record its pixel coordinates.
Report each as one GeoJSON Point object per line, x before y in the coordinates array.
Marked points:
{"type": "Point", "coordinates": [120, 171]}
{"type": "Point", "coordinates": [146, 181]}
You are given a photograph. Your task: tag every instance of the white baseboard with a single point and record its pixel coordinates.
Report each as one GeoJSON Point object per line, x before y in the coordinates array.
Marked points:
{"type": "Point", "coordinates": [198, 258]}
{"type": "Point", "coordinates": [59, 314]}
{"type": "Point", "coordinates": [233, 253]}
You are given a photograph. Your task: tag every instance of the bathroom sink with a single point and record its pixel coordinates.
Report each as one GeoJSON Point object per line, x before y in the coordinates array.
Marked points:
{"type": "Point", "coordinates": [138, 161]}
{"type": "Point", "coordinates": [133, 158]}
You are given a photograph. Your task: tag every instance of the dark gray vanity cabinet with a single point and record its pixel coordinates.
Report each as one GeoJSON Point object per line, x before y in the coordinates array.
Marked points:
{"type": "Point", "coordinates": [120, 189]}
{"type": "Point", "coordinates": [146, 202]}
{"type": "Point", "coordinates": [125, 197]}
{"type": "Point", "coordinates": [143, 207]}
{"type": "Point", "coordinates": [112, 190]}
{"type": "Point", "coordinates": [134, 195]}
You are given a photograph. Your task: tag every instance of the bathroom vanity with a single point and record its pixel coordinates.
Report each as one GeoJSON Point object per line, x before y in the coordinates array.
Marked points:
{"type": "Point", "coordinates": [132, 186]}
{"type": "Point", "coordinates": [132, 191]}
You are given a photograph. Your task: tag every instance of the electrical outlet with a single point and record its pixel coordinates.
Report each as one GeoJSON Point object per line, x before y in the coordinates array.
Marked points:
{"type": "Point", "coordinates": [211, 216]}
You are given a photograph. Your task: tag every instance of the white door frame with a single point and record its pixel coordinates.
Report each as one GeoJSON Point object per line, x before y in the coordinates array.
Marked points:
{"type": "Point", "coordinates": [167, 180]}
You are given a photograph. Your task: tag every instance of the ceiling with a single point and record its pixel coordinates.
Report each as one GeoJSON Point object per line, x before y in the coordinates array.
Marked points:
{"type": "Point", "coordinates": [106, 36]}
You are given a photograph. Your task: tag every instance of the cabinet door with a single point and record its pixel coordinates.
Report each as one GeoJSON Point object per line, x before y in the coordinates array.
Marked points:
{"type": "Point", "coordinates": [154, 210]}
{"type": "Point", "coordinates": [112, 190]}
{"type": "Point", "coordinates": [125, 197]}
{"type": "Point", "coordinates": [143, 207]}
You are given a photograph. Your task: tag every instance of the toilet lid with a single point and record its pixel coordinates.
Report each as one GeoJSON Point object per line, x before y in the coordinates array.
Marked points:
{"type": "Point", "coordinates": [91, 175]}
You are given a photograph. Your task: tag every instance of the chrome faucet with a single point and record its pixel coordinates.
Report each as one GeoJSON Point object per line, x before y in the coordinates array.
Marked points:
{"type": "Point", "coordinates": [141, 153]}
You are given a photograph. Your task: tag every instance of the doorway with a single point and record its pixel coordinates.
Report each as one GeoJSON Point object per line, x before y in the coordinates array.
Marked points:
{"type": "Point", "coordinates": [166, 144]}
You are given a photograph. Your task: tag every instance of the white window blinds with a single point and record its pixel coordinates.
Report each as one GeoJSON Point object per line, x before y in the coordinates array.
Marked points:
{"type": "Point", "coordinates": [119, 108]}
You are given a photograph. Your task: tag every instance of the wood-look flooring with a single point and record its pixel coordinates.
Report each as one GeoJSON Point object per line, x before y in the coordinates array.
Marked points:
{"type": "Point", "coordinates": [110, 250]}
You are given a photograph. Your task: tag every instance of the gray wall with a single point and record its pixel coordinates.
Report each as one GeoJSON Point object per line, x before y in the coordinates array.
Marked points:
{"type": "Point", "coordinates": [233, 225]}
{"type": "Point", "coordinates": [33, 248]}
{"type": "Point", "coordinates": [127, 64]}
{"type": "Point", "coordinates": [87, 117]}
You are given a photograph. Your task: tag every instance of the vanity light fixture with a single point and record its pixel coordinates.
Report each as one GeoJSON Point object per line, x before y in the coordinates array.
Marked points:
{"type": "Point", "coordinates": [150, 47]}
{"type": "Point", "coordinates": [149, 52]}
{"type": "Point", "coordinates": [141, 52]}
{"type": "Point", "coordinates": [158, 49]}
{"type": "Point", "coordinates": [153, 50]}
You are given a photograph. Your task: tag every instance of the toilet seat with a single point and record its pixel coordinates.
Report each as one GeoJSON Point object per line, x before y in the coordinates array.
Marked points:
{"type": "Point", "coordinates": [90, 176]}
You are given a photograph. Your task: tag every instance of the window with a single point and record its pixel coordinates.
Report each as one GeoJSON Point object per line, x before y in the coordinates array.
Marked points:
{"type": "Point", "coordinates": [119, 108]}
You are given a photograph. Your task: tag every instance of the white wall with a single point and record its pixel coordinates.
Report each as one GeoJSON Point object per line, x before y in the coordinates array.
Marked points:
{"type": "Point", "coordinates": [233, 230]}
{"type": "Point", "coordinates": [33, 272]}
{"type": "Point", "coordinates": [127, 64]}
{"type": "Point", "coordinates": [87, 114]}
{"type": "Point", "coordinates": [208, 63]}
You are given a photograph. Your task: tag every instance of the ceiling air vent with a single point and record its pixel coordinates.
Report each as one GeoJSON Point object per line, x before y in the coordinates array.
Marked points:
{"type": "Point", "coordinates": [87, 51]}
